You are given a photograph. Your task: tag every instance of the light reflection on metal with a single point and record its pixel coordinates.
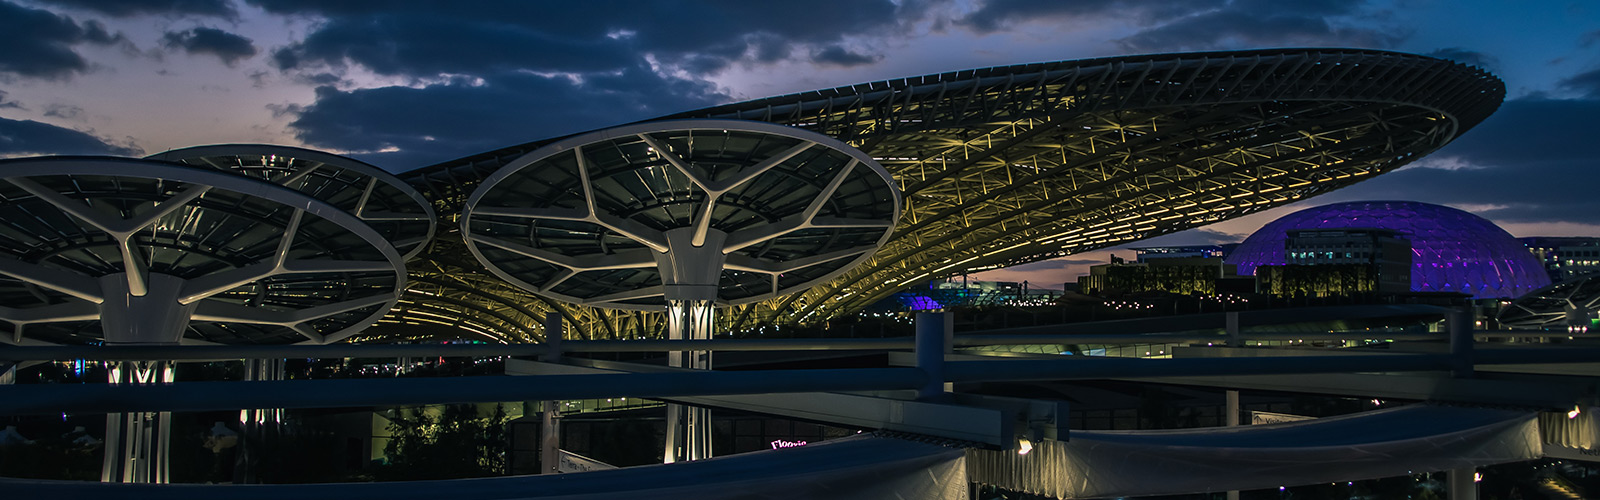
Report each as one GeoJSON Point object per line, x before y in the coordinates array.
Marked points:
{"type": "Point", "coordinates": [689, 427]}
{"type": "Point", "coordinates": [136, 444]}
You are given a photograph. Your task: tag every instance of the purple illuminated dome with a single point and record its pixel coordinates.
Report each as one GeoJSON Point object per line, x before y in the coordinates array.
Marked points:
{"type": "Point", "coordinates": [1452, 250]}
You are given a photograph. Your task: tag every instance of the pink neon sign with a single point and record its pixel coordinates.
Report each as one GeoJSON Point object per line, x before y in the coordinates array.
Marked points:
{"type": "Point", "coordinates": [787, 444]}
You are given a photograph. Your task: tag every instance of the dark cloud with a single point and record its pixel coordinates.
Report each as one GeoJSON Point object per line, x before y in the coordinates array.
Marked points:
{"type": "Point", "coordinates": [1529, 159]}
{"type": "Point", "coordinates": [128, 8]}
{"type": "Point", "coordinates": [65, 112]}
{"type": "Point", "coordinates": [429, 40]}
{"type": "Point", "coordinates": [995, 15]}
{"type": "Point", "coordinates": [1260, 23]}
{"type": "Point", "coordinates": [37, 43]}
{"type": "Point", "coordinates": [1070, 262]}
{"type": "Point", "coordinates": [1589, 39]}
{"type": "Point", "coordinates": [259, 79]}
{"type": "Point", "coordinates": [468, 115]}
{"type": "Point", "coordinates": [8, 104]}
{"type": "Point", "coordinates": [413, 45]}
{"type": "Point", "coordinates": [484, 78]}
{"type": "Point", "coordinates": [1469, 57]}
{"type": "Point", "coordinates": [28, 137]}
{"type": "Point", "coordinates": [226, 46]}
{"type": "Point", "coordinates": [319, 79]}
{"type": "Point", "coordinates": [1199, 236]}
{"type": "Point", "coordinates": [1064, 263]}
{"type": "Point", "coordinates": [1586, 83]}
{"type": "Point", "coordinates": [839, 56]}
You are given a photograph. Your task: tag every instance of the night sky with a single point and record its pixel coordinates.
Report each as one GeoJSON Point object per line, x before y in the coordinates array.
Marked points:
{"type": "Point", "coordinates": [403, 84]}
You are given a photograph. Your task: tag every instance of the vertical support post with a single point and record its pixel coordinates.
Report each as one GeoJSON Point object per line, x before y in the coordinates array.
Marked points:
{"type": "Point", "coordinates": [8, 372]}
{"type": "Point", "coordinates": [935, 336]}
{"type": "Point", "coordinates": [257, 425]}
{"type": "Point", "coordinates": [136, 443]}
{"type": "Point", "coordinates": [550, 425]}
{"type": "Point", "coordinates": [1463, 483]}
{"type": "Point", "coordinates": [1232, 404]}
{"type": "Point", "coordinates": [1233, 408]}
{"type": "Point", "coordinates": [688, 435]}
{"type": "Point", "coordinates": [1459, 322]}
{"type": "Point", "coordinates": [1231, 326]}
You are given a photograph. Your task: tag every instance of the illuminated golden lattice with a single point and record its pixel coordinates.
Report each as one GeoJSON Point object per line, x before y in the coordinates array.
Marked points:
{"type": "Point", "coordinates": [1007, 165]}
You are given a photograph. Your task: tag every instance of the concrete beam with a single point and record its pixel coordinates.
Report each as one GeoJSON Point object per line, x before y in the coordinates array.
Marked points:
{"type": "Point", "coordinates": [1436, 386]}
{"type": "Point", "coordinates": [990, 426]}
{"type": "Point", "coordinates": [54, 399]}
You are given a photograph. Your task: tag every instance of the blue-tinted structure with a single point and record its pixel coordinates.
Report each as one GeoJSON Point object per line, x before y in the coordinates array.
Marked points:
{"type": "Point", "coordinates": [1452, 250]}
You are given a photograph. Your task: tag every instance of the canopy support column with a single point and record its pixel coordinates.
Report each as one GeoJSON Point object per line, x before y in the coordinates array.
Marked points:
{"type": "Point", "coordinates": [935, 332]}
{"type": "Point", "coordinates": [257, 425]}
{"type": "Point", "coordinates": [1463, 483]}
{"type": "Point", "coordinates": [1459, 321]}
{"type": "Point", "coordinates": [688, 427]}
{"type": "Point", "coordinates": [550, 424]}
{"type": "Point", "coordinates": [136, 443]}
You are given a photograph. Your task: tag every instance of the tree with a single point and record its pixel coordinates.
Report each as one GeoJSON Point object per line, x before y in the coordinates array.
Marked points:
{"type": "Point", "coordinates": [457, 443]}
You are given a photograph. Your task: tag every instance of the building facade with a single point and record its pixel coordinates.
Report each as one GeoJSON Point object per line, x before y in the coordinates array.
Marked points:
{"type": "Point", "coordinates": [1180, 275]}
{"type": "Point", "coordinates": [1385, 255]}
{"type": "Point", "coordinates": [1565, 257]}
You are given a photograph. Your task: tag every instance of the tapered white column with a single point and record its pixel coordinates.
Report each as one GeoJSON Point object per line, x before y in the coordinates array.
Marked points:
{"type": "Point", "coordinates": [688, 427]}
{"type": "Point", "coordinates": [136, 445]}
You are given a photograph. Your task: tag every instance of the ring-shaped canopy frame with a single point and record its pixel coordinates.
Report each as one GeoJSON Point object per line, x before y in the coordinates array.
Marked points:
{"type": "Point", "coordinates": [1569, 303]}
{"type": "Point", "coordinates": [254, 263]}
{"type": "Point", "coordinates": [588, 219]}
{"type": "Point", "coordinates": [392, 207]}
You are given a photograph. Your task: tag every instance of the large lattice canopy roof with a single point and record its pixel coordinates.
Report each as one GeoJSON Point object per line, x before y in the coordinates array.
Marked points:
{"type": "Point", "coordinates": [1007, 165]}
{"type": "Point", "coordinates": [243, 261]}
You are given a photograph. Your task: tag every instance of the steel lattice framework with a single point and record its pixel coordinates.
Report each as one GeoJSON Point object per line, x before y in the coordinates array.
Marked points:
{"type": "Point", "coordinates": [1008, 165]}
{"type": "Point", "coordinates": [449, 293]}
{"type": "Point", "coordinates": [378, 198]}
{"type": "Point", "coordinates": [720, 211]}
{"type": "Point", "coordinates": [1571, 303]}
{"type": "Point", "coordinates": [119, 250]}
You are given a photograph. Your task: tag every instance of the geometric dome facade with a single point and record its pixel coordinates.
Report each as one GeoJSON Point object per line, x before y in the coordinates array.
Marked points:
{"type": "Point", "coordinates": [1452, 250]}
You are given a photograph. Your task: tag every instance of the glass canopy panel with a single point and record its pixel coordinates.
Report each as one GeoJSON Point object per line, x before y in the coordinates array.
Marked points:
{"type": "Point", "coordinates": [608, 282]}
{"type": "Point", "coordinates": [810, 242]}
{"type": "Point", "coordinates": [391, 207]}
{"type": "Point", "coordinates": [722, 155]}
{"type": "Point", "coordinates": [552, 183]}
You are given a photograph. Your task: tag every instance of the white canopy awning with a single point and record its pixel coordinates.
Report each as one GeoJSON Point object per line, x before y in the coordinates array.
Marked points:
{"type": "Point", "coordinates": [1382, 443]}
